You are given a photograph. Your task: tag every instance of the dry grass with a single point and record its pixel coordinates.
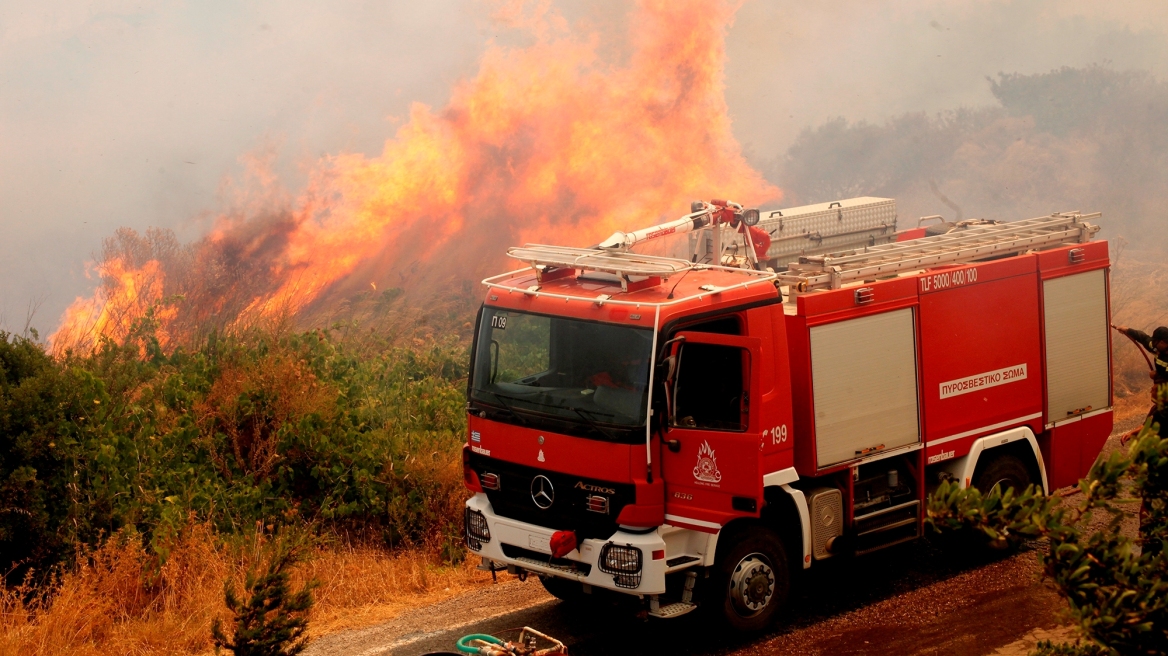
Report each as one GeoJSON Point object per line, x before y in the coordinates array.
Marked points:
{"type": "Point", "coordinates": [117, 601]}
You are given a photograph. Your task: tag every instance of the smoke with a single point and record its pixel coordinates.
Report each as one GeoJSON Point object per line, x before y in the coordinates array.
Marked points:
{"type": "Point", "coordinates": [793, 65]}
{"type": "Point", "coordinates": [1090, 139]}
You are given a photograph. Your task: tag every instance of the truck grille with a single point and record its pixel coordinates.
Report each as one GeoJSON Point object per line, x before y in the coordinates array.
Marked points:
{"type": "Point", "coordinates": [569, 511]}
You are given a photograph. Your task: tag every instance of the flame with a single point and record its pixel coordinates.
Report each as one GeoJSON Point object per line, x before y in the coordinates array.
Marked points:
{"type": "Point", "coordinates": [125, 295]}
{"type": "Point", "coordinates": [547, 143]}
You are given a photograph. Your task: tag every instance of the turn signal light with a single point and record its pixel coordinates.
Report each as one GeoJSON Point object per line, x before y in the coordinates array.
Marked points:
{"type": "Point", "coordinates": [489, 481]}
{"type": "Point", "coordinates": [596, 504]}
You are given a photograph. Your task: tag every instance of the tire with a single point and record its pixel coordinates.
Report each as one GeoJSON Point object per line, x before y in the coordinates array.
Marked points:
{"type": "Point", "coordinates": [563, 589]}
{"type": "Point", "coordinates": [1005, 470]}
{"type": "Point", "coordinates": [750, 580]}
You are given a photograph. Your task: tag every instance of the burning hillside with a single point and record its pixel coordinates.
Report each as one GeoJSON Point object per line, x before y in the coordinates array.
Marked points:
{"type": "Point", "coordinates": [546, 143]}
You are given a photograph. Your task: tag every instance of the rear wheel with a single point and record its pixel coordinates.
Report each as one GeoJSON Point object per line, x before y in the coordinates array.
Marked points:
{"type": "Point", "coordinates": [751, 579]}
{"type": "Point", "coordinates": [562, 589]}
{"type": "Point", "coordinates": [1006, 471]}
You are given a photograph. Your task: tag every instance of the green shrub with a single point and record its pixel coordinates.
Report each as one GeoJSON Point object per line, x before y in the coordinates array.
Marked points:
{"type": "Point", "coordinates": [355, 434]}
{"type": "Point", "coordinates": [272, 620]}
{"type": "Point", "coordinates": [1116, 587]}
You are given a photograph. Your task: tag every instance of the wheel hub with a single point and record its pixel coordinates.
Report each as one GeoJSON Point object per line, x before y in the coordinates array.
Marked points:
{"type": "Point", "coordinates": [752, 585]}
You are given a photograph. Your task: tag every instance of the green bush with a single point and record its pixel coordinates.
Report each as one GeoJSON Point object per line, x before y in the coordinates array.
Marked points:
{"type": "Point", "coordinates": [276, 427]}
{"type": "Point", "coordinates": [272, 620]}
{"type": "Point", "coordinates": [1115, 586]}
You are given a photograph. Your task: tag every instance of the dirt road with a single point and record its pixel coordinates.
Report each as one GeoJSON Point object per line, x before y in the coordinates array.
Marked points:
{"type": "Point", "coordinates": [919, 598]}
{"type": "Point", "coordinates": [916, 601]}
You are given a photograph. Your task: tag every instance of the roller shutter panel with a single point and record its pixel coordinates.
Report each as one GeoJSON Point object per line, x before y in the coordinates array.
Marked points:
{"type": "Point", "coordinates": [1077, 360]}
{"type": "Point", "coordinates": [864, 380]}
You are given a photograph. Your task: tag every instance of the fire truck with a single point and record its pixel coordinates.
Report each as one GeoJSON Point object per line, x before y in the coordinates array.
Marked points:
{"type": "Point", "coordinates": [694, 432]}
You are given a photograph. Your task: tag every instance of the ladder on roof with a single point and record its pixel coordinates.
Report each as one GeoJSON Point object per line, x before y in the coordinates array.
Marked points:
{"type": "Point", "coordinates": [833, 270]}
{"type": "Point", "coordinates": [551, 262]}
{"type": "Point", "coordinates": [621, 263]}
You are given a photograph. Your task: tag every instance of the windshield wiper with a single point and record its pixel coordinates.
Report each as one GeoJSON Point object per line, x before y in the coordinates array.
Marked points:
{"type": "Point", "coordinates": [595, 425]}
{"type": "Point", "coordinates": [506, 406]}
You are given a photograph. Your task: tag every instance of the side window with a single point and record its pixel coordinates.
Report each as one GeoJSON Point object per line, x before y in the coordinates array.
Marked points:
{"type": "Point", "coordinates": [711, 387]}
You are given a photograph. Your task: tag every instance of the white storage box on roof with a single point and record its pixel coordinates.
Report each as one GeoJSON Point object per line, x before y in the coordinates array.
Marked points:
{"type": "Point", "coordinates": [826, 227]}
{"type": "Point", "coordinates": [823, 228]}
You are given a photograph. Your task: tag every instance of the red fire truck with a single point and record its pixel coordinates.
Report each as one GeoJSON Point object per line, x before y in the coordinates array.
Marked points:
{"type": "Point", "coordinates": [693, 432]}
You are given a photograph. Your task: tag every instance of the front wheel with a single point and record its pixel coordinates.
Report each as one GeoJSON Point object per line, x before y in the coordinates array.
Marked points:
{"type": "Point", "coordinates": [751, 579]}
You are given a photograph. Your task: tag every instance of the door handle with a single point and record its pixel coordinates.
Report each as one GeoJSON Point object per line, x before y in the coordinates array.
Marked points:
{"type": "Point", "coordinates": [674, 445]}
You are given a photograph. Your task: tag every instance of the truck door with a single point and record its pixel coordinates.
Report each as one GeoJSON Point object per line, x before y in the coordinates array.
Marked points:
{"type": "Point", "coordinates": [710, 455]}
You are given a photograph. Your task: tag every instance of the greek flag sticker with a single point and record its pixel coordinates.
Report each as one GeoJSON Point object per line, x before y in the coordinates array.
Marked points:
{"type": "Point", "coordinates": [475, 437]}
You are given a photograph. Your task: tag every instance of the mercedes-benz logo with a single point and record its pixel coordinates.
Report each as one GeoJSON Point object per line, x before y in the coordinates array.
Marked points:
{"type": "Point", "coordinates": [542, 492]}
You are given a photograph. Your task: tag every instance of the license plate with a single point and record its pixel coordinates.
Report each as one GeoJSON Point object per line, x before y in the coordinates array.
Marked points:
{"type": "Point", "coordinates": [539, 543]}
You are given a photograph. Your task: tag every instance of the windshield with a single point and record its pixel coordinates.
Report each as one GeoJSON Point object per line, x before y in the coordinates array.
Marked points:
{"type": "Point", "coordinates": [590, 374]}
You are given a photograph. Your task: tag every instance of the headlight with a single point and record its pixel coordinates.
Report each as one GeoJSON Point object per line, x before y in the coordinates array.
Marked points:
{"type": "Point", "coordinates": [623, 562]}
{"type": "Point", "coordinates": [477, 531]}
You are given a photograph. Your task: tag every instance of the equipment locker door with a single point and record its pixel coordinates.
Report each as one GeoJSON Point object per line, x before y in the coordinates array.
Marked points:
{"type": "Point", "coordinates": [1077, 358]}
{"type": "Point", "coordinates": [864, 381]}
{"type": "Point", "coordinates": [710, 455]}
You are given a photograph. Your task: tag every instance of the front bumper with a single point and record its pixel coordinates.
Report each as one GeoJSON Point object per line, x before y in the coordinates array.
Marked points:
{"type": "Point", "coordinates": [523, 537]}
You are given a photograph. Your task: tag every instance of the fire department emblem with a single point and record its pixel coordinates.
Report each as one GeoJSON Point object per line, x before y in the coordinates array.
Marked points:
{"type": "Point", "coordinates": [707, 468]}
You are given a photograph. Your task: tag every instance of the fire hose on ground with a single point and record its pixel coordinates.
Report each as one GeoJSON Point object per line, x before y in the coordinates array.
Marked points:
{"type": "Point", "coordinates": [525, 645]}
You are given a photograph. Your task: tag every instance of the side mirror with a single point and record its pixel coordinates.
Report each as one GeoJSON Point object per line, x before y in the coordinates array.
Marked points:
{"type": "Point", "coordinates": [666, 373]}
{"type": "Point", "coordinates": [668, 370]}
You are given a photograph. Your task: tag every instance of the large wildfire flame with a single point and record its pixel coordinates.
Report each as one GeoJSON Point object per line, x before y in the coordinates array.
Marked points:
{"type": "Point", "coordinates": [546, 143]}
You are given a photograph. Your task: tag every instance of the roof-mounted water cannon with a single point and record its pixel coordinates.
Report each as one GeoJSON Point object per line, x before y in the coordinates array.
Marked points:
{"type": "Point", "coordinates": [744, 221]}
{"type": "Point", "coordinates": [696, 219]}
{"type": "Point", "coordinates": [714, 214]}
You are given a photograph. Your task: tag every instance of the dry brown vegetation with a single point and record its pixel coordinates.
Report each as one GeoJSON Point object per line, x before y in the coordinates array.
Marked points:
{"type": "Point", "coordinates": [118, 601]}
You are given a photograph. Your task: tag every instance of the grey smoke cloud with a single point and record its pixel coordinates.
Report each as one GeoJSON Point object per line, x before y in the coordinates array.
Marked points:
{"type": "Point", "coordinates": [134, 113]}
{"type": "Point", "coordinates": [794, 65]}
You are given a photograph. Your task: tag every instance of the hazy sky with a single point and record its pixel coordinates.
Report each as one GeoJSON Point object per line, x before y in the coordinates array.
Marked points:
{"type": "Point", "coordinates": [127, 113]}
